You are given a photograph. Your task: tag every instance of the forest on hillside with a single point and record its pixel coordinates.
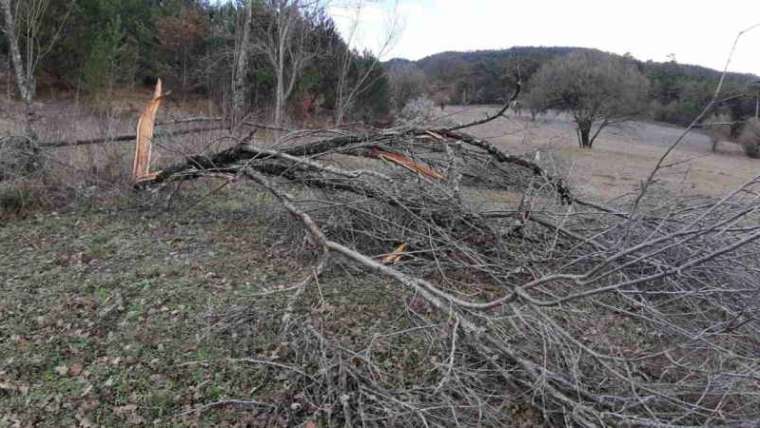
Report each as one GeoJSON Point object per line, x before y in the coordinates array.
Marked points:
{"type": "Point", "coordinates": [90, 47]}
{"type": "Point", "coordinates": [677, 94]}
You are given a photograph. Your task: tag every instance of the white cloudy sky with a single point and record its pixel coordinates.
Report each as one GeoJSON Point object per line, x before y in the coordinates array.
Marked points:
{"type": "Point", "coordinates": [697, 32]}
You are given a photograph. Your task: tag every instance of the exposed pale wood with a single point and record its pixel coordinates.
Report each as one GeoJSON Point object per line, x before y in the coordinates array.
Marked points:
{"type": "Point", "coordinates": [407, 163]}
{"type": "Point", "coordinates": [395, 256]}
{"type": "Point", "coordinates": [143, 144]}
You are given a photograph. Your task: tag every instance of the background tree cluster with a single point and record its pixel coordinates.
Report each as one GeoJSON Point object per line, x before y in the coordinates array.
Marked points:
{"type": "Point", "coordinates": [194, 45]}
{"type": "Point", "coordinates": [596, 89]}
{"type": "Point", "coordinates": [676, 93]}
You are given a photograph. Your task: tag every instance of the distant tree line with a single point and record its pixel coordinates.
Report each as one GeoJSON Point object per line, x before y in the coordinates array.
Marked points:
{"type": "Point", "coordinates": [676, 92]}
{"type": "Point", "coordinates": [93, 46]}
{"type": "Point", "coordinates": [194, 46]}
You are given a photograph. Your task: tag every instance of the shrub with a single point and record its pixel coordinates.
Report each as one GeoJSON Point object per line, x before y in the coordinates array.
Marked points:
{"type": "Point", "coordinates": [19, 157]}
{"type": "Point", "coordinates": [718, 128]}
{"type": "Point", "coordinates": [418, 111]}
{"type": "Point", "coordinates": [750, 138]}
{"type": "Point", "coordinates": [18, 198]}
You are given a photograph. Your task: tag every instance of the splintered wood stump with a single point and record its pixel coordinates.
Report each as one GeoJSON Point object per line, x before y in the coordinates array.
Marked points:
{"type": "Point", "coordinates": [143, 146]}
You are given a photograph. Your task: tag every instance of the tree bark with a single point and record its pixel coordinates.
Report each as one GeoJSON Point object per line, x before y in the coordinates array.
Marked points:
{"type": "Point", "coordinates": [241, 67]}
{"type": "Point", "coordinates": [24, 80]}
{"type": "Point", "coordinates": [584, 136]}
{"type": "Point", "coordinates": [280, 91]}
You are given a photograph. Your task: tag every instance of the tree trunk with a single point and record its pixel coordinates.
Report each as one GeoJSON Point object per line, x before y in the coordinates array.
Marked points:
{"type": "Point", "coordinates": [584, 136]}
{"type": "Point", "coordinates": [280, 76]}
{"type": "Point", "coordinates": [241, 68]}
{"type": "Point", "coordinates": [279, 97]}
{"type": "Point", "coordinates": [24, 81]}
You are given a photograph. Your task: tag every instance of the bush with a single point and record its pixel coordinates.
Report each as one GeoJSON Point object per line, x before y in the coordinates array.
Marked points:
{"type": "Point", "coordinates": [750, 138]}
{"type": "Point", "coordinates": [19, 198]}
{"type": "Point", "coordinates": [718, 128]}
{"type": "Point", "coordinates": [418, 111]}
{"type": "Point", "coordinates": [19, 157]}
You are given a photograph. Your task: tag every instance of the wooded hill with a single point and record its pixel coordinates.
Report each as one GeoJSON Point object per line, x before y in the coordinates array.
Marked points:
{"type": "Point", "coordinates": [90, 47]}
{"type": "Point", "coordinates": [678, 91]}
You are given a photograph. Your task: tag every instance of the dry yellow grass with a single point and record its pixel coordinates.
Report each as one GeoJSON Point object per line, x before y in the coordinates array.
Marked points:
{"type": "Point", "coordinates": [621, 157]}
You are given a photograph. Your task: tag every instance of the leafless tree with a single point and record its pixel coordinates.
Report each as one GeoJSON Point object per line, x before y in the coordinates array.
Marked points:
{"type": "Point", "coordinates": [640, 314]}
{"type": "Point", "coordinates": [284, 43]}
{"type": "Point", "coordinates": [750, 138]}
{"type": "Point", "coordinates": [242, 54]}
{"type": "Point", "coordinates": [350, 87]}
{"type": "Point", "coordinates": [597, 90]}
{"type": "Point", "coordinates": [23, 20]}
{"type": "Point", "coordinates": [407, 82]}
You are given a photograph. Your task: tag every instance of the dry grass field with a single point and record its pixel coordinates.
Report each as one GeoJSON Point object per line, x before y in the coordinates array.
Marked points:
{"type": "Point", "coordinates": [622, 156]}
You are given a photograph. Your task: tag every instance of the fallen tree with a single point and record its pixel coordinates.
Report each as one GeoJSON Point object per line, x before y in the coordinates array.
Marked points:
{"type": "Point", "coordinates": [639, 315]}
{"type": "Point", "coordinates": [124, 138]}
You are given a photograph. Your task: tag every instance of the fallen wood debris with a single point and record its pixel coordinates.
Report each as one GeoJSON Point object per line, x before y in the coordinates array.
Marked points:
{"type": "Point", "coordinates": [395, 256]}
{"type": "Point", "coordinates": [125, 138]}
{"type": "Point", "coordinates": [600, 316]}
{"type": "Point", "coordinates": [407, 163]}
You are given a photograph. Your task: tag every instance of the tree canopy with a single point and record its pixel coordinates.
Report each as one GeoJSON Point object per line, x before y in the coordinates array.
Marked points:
{"type": "Point", "coordinates": [676, 95]}
{"type": "Point", "coordinates": [191, 45]}
{"type": "Point", "coordinates": [596, 89]}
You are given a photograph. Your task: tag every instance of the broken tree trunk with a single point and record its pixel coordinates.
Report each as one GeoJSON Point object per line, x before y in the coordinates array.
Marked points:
{"type": "Point", "coordinates": [144, 140]}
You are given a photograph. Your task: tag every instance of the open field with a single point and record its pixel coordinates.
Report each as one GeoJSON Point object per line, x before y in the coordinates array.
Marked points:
{"type": "Point", "coordinates": [622, 156]}
{"type": "Point", "coordinates": [132, 310]}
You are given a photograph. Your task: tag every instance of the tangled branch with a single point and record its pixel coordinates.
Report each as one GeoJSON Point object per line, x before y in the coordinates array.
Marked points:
{"type": "Point", "coordinates": [602, 316]}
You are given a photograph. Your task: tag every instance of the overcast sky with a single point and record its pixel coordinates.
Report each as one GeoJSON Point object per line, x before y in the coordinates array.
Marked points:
{"type": "Point", "coordinates": [696, 32]}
